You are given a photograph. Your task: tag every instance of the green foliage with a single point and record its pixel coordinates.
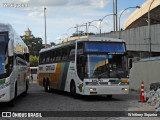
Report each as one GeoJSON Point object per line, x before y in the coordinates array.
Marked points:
{"type": "Point", "coordinates": [34, 46]}
{"type": "Point", "coordinates": [33, 60]}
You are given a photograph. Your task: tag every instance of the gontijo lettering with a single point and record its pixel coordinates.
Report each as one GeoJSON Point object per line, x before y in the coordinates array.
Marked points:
{"type": "Point", "coordinates": [51, 67]}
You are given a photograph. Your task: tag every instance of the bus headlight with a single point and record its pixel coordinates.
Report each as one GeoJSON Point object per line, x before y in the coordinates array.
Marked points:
{"type": "Point", "coordinates": [92, 89]}
{"type": "Point", "coordinates": [125, 89]}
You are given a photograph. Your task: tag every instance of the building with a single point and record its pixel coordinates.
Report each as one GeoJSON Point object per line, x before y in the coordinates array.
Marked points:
{"type": "Point", "coordinates": [27, 34]}
{"type": "Point", "coordinates": [140, 16]}
{"type": "Point", "coordinates": [142, 39]}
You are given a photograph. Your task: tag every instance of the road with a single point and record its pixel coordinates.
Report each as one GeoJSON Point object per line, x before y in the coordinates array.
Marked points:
{"type": "Point", "coordinates": [38, 100]}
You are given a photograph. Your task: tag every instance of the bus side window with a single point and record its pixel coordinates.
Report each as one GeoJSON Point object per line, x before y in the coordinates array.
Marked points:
{"type": "Point", "coordinates": [40, 58]}
{"type": "Point", "coordinates": [52, 56]}
{"type": "Point", "coordinates": [58, 55]}
{"type": "Point", "coordinates": [26, 56]}
{"type": "Point", "coordinates": [71, 52]}
{"type": "Point", "coordinates": [43, 60]}
{"type": "Point", "coordinates": [64, 53]}
{"type": "Point", "coordinates": [48, 57]}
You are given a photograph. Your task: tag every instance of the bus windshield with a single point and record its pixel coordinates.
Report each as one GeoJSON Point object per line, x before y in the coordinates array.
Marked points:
{"type": "Point", "coordinates": [2, 53]}
{"type": "Point", "coordinates": [3, 50]}
{"type": "Point", "coordinates": [1, 63]}
{"type": "Point", "coordinates": [107, 66]}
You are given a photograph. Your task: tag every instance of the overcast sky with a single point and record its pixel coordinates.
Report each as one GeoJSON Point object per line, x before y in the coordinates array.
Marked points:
{"type": "Point", "coordinates": [61, 15]}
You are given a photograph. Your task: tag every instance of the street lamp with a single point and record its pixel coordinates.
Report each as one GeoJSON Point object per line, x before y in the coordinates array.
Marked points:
{"type": "Point", "coordinates": [69, 29]}
{"type": "Point", "coordinates": [121, 15]}
{"type": "Point", "coordinates": [93, 26]}
{"type": "Point", "coordinates": [67, 32]}
{"type": "Point", "coordinates": [84, 24]}
{"type": "Point", "coordinates": [45, 27]}
{"type": "Point", "coordinates": [63, 38]}
{"type": "Point", "coordinates": [149, 29]}
{"type": "Point", "coordinates": [89, 24]}
{"type": "Point", "coordinates": [103, 19]}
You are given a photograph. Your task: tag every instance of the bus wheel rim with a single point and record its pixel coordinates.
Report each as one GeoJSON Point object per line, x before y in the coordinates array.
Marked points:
{"type": "Point", "coordinates": [48, 87]}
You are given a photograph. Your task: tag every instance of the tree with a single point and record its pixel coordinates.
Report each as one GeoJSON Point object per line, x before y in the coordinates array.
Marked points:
{"type": "Point", "coordinates": [34, 46]}
{"type": "Point", "coordinates": [33, 60]}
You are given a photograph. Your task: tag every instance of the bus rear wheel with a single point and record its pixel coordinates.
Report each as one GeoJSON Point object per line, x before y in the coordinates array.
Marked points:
{"type": "Point", "coordinates": [47, 86]}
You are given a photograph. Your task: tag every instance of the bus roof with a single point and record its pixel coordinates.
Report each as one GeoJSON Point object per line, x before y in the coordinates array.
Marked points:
{"type": "Point", "coordinates": [105, 39]}
{"type": "Point", "coordinates": [12, 35]}
{"type": "Point", "coordinates": [5, 27]}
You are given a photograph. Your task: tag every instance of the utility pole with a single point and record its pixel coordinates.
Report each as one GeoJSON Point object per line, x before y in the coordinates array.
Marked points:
{"type": "Point", "coordinates": [149, 30]}
{"type": "Point", "coordinates": [45, 27]}
{"type": "Point", "coordinates": [115, 20]}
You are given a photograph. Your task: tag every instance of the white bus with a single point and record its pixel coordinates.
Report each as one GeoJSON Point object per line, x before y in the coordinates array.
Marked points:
{"type": "Point", "coordinates": [33, 73]}
{"type": "Point", "coordinates": [14, 61]}
{"type": "Point", "coordinates": [86, 66]}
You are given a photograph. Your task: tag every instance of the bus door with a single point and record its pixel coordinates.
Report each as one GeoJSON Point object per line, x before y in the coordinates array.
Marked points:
{"type": "Point", "coordinates": [21, 72]}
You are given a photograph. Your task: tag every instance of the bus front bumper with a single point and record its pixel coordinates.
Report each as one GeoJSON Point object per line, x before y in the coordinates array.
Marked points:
{"type": "Point", "coordinates": [5, 93]}
{"type": "Point", "coordinates": [105, 90]}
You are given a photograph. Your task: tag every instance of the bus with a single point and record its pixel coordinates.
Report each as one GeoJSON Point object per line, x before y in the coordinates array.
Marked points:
{"type": "Point", "coordinates": [33, 73]}
{"type": "Point", "coordinates": [86, 66]}
{"type": "Point", "coordinates": [14, 62]}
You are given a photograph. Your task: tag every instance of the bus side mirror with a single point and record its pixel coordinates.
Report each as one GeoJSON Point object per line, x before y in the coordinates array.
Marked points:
{"type": "Point", "coordinates": [130, 63]}
{"type": "Point", "coordinates": [6, 66]}
{"type": "Point", "coordinates": [10, 48]}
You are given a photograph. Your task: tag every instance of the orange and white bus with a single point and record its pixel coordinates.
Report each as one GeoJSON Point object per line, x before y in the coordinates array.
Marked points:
{"type": "Point", "coordinates": [86, 66]}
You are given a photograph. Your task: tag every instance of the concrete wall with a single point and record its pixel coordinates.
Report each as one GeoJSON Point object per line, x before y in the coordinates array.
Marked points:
{"type": "Point", "coordinates": [137, 38]}
{"type": "Point", "coordinates": [147, 70]}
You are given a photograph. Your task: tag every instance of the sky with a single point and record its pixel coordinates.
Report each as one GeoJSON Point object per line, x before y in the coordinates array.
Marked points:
{"type": "Point", "coordinates": [61, 16]}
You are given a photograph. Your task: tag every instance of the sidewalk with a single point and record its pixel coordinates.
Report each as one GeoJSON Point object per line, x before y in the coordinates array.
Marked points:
{"type": "Point", "coordinates": [34, 81]}
{"type": "Point", "coordinates": [141, 107]}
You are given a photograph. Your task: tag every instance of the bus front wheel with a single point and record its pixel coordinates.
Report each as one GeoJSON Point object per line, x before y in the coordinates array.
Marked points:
{"type": "Point", "coordinates": [73, 89]}
{"type": "Point", "coordinates": [12, 102]}
{"type": "Point", "coordinates": [109, 96]}
{"type": "Point", "coordinates": [26, 90]}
